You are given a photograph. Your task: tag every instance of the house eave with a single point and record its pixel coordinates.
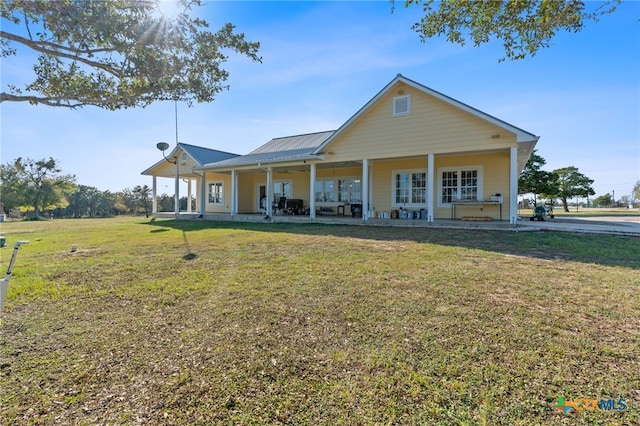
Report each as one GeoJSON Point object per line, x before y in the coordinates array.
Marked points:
{"type": "Point", "coordinates": [297, 161]}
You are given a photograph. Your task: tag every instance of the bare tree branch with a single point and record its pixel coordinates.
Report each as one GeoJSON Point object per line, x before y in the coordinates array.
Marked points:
{"type": "Point", "coordinates": [50, 101]}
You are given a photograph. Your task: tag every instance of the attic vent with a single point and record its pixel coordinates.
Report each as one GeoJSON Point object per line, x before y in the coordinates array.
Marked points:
{"type": "Point", "coordinates": [402, 105]}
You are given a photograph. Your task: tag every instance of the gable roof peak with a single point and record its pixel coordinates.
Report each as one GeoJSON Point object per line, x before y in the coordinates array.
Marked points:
{"type": "Point", "coordinates": [521, 135]}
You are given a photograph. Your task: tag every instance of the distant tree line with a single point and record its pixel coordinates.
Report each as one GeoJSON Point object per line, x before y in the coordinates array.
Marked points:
{"type": "Point", "coordinates": [38, 189]}
{"type": "Point", "coordinates": [563, 184]}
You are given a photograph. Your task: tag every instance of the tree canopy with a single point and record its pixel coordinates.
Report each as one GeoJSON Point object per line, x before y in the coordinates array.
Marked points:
{"type": "Point", "coordinates": [605, 200]}
{"type": "Point", "coordinates": [117, 54]}
{"type": "Point", "coordinates": [38, 184]}
{"type": "Point", "coordinates": [523, 26]}
{"type": "Point", "coordinates": [571, 183]}
{"type": "Point", "coordinates": [534, 180]}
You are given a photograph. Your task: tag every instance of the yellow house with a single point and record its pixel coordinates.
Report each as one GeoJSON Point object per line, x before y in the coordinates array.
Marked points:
{"type": "Point", "coordinates": [410, 152]}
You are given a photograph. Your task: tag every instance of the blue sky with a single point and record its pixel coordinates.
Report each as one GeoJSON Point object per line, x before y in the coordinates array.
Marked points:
{"type": "Point", "coordinates": [322, 61]}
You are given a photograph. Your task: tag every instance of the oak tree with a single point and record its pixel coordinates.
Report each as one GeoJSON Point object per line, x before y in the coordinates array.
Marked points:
{"type": "Point", "coordinates": [33, 183]}
{"type": "Point", "coordinates": [571, 183]}
{"type": "Point", "coordinates": [117, 53]}
{"type": "Point", "coordinates": [523, 26]}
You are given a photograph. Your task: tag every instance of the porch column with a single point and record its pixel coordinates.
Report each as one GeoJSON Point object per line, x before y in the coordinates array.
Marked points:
{"type": "Point", "coordinates": [154, 195]}
{"type": "Point", "coordinates": [431, 174]}
{"type": "Point", "coordinates": [312, 191]}
{"type": "Point", "coordinates": [189, 197]}
{"type": "Point", "coordinates": [177, 194]}
{"type": "Point", "coordinates": [513, 187]}
{"type": "Point", "coordinates": [203, 193]}
{"type": "Point", "coordinates": [365, 189]}
{"type": "Point", "coordinates": [269, 194]}
{"type": "Point", "coordinates": [234, 192]}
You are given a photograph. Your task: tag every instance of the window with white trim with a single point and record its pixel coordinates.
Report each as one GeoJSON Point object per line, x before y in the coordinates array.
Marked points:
{"type": "Point", "coordinates": [216, 192]}
{"type": "Point", "coordinates": [409, 188]}
{"type": "Point", "coordinates": [464, 183]}
{"type": "Point", "coordinates": [325, 190]}
{"type": "Point", "coordinates": [350, 190]}
{"type": "Point", "coordinates": [281, 188]}
{"type": "Point", "coordinates": [402, 105]}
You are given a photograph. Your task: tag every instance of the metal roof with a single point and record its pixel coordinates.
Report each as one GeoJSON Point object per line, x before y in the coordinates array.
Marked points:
{"type": "Point", "coordinates": [264, 158]}
{"type": "Point", "coordinates": [199, 154]}
{"type": "Point", "coordinates": [289, 143]}
{"type": "Point", "coordinates": [205, 155]}
{"type": "Point", "coordinates": [288, 148]}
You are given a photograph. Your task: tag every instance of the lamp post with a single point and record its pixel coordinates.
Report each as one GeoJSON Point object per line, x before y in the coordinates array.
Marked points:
{"type": "Point", "coordinates": [163, 146]}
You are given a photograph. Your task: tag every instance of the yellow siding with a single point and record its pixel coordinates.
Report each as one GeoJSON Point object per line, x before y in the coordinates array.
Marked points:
{"type": "Point", "coordinates": [249, 184]}
{"type": "Point", "coordinates": [495, 179]}
{"type": "Point", "coordinates": [433, 126]}
{"type": "Point", "coordinates": [226, 181]}
{"type": "Point", "coordinates": [246, 187]}
{"type": "Point", "coordinates": [382, 179]}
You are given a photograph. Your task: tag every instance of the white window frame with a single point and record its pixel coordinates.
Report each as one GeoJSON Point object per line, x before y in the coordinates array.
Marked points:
{"type": "Point", "coordinates": [459, 186]}
{"type": "Point", "coordinates": [280, 190]}
{"type": "Point", "coordinates": [352, 193]}
{"type": "Point", "coordinates": [398, 99]}
{"type": "Point", "coordinates": [210, 184]}
{"type": "Point", "coordinates": [410, 172]}
{"type": "Point", "coordinates": [323, 195]}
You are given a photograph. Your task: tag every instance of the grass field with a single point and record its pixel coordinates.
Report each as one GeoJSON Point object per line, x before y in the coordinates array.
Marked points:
{"type": "Point", "coordinates": [191, 322]}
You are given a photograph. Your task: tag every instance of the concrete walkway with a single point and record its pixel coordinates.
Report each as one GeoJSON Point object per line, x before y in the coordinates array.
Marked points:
{"type": "Point", "coordinates": [617, 225]}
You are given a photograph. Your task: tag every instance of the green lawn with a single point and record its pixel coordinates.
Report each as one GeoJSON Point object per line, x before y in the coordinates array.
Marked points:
{"type": "Point", "coordinates": [195, 322]}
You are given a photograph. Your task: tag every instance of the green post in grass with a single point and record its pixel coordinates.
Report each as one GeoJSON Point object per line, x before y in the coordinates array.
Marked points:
{"type": "Point", "coordinates": [4, 283]}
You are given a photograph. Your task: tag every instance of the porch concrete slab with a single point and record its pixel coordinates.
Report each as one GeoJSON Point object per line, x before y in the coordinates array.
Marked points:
{"type": "Point", "coordinates": [616, 225]}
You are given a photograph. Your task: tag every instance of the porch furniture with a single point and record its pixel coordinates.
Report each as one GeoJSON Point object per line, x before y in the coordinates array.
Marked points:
{"type": "Point", "coordinates": [475, 203]}
{"type": "Point", "coordinates": [338, 205]}
{"type": "Point", "coordinates": [294, 206]}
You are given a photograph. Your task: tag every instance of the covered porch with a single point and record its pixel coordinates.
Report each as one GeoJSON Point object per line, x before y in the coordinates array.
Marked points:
{"type": "Point", "coordinates": [422, 189]}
